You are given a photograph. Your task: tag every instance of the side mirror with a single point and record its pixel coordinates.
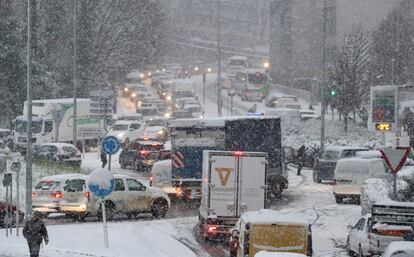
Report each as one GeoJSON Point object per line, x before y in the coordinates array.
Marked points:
{"type": "Point", "coordinates": [349, 227]}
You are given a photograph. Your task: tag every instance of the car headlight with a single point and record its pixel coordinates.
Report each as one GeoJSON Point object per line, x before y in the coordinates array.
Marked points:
{"type": "Point", "coordinates": [149, 73]}
{"type": "Point", "coordinates": [141, 75]}
{"type": "Point", "coordinates": [126, 89]}
{"type": "Point", "coordinates": [201, 116]}
{"type": "Point", "coordinates": [121, 135]}
{"type": "Point", "coordinates": [160, 132]}
{"type": "Point", "coordinates": [209, 70]}
{"type": "Point", "coordinates": [139, 103]}
{"type": "Point", "coordinates": [167, 115]}
{"type": "Point", "coordinates": [163, 93]}
{"type": "Point", "coordinates": [134, 95]}
{"type": "Point", "coordinates": [168, 97]}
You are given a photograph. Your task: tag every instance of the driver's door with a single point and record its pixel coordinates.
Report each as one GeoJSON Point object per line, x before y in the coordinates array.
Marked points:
{"type": "Point", "coordinates": [136, 195]}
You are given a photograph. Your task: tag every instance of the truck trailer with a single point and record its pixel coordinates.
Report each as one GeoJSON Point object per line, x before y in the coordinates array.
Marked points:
{"type": "Point", "coordinates": [234, 182]}
{"type": "Point", "coordinates": [190, 137]}
{"type": "Point", "coordinates": [52, 121]}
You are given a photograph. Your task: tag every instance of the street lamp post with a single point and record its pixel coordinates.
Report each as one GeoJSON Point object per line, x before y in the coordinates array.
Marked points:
{"type": "Point", "coordinates": [29, 114]}
{"type": "Point", "coordinates": [75, 73]}
{"type": "Point", "coordinates": [323, 84]}
{"type": "Point", "coordinates": [219, 102]}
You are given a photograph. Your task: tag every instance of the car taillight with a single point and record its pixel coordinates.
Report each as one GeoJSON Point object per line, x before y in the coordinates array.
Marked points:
{"type": "Point", "coordinates": [211, 229]}
{"type": "Point", "coordinates": [88, 195]}
{"type": "Point", "coordinates": [33, 194]}
{"type": "Point", "coordinates": [151, 179]}
{"type": "Point", "coordinates": [143, 152]}
{"type": "Point", "coordinates": [56, 194]}
{"type": "Point", "coordinates": [334, 182]}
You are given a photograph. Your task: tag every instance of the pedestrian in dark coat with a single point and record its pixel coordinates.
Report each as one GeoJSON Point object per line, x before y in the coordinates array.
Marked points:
{"type": "Point", "coordinates": [104, 160]}
{"type": "Point", "coordinates": [35, 232]}
{"type": "Point", "coordinates": [300, 156]}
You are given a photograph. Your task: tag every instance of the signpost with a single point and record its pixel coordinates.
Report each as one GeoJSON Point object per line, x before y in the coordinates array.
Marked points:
{"type": "Point", "coordinates": [110, 145]}
{"type": "Point", "coordinates": [395, 159]}
{"type": "Point", "coordinates": [384, 109]}
{"type": "Point", "coordinates": [231, 92]}
{"type": "Point", "coordinates": [15, 166]}
{"type": "Point", "coordinates": [101, 183]}
{"type": "Point", "coordinates": [7, 182]}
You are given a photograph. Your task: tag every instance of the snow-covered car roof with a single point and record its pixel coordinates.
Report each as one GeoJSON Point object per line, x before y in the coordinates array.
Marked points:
{"type": "Point", "coordinates": [61, 177]}
{"type": "Point", "coordinates": [399, 246]}
{"type": "Point", "coordinates": [58, 145]}
{"type": "Point", "coordinates": [277, 254]}
{"type": "Point", "coordinates": [239, 57]}
{"type": "Point", "coordinates": [342, 147]}
{"type": "Point", "coordinates": [265, 216]}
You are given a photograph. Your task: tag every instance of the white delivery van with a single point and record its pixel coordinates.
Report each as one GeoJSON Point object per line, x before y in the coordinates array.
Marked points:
{"type": "Point", "coordinates": [350, 174]}
{"type": "Point", "coordinates": [233, 183]}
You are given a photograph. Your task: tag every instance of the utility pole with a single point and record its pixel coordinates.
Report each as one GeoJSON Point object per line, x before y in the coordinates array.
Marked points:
{"type": "Point", "coordinates": [75, 73]}
{"type": "Point", "coordinates": [323, 83]}
{"type": "Point", "coordinates": [29, 114]}
{"type": "Point", "coordinates": [219, 100]}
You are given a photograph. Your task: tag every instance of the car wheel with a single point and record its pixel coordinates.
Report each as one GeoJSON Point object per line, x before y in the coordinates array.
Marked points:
{"type": "Point", "coordinates": [338, 199]}
{"type": "Point", "coordinates": [316, 179]}
{"type": "Point", "coordinates": [360, 253]}
{"type": "Point", "coordinates": [159, 208]}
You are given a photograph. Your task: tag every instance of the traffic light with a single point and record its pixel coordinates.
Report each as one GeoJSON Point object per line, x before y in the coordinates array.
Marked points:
{"type": "Point", "coordinates": [334, 92]}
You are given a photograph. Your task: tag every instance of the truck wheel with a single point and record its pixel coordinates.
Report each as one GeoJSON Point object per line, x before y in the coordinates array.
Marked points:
{"type": "Point", "coordinates": [338, 199]}
{"type": "Point", "coordinates": [159, 208]}
{"type": "Point", "coordinates": [316, 179]}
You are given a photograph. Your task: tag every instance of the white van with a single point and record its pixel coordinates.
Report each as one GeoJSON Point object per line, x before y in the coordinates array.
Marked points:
{"type": "Point", "coordinates": [350, 174]}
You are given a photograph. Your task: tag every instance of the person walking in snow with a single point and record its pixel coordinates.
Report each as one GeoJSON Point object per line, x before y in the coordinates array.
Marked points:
{"type": "Point", "coordinates": [300, 156]}
{"type": "Point", "coordinates": [35, 232]}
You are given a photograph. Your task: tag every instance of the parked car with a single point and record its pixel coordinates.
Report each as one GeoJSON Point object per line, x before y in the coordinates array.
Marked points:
{"type": "Point", "coordinates": [126, 129]}
{"type": "Point", "coordinates": [140, 155]}
{"type": "Point", "coordinates": [399, 249]}
{"type": "Point", "coordinates": [325, 164]}
{"type": "Point", "coordinates": [271, 230]}
{"type": "Point", "coordinates": [48, 192]}
{"type": "Point", "coordinates": [350, 174]}
{"type": "Point", "coordinates": [131, 196]}
{"type": "Point", "coordinates": [12, 208]}
{"type": "Point", "coordinates": [61, 153]}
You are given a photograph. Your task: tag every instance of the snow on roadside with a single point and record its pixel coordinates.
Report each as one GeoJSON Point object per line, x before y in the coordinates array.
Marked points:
{"type": "Point", "coordinates": [126, 239]}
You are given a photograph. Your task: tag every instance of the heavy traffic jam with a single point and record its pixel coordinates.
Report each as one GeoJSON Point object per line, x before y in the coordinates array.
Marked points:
{"type": "Point", "coordinates": [237, 174]}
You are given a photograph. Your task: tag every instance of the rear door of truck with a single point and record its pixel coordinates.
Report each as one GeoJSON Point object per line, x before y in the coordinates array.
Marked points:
{"type": "Point", "coordinates": [252, 182]}
{"type": "Point", "coordinates": [223, 184]}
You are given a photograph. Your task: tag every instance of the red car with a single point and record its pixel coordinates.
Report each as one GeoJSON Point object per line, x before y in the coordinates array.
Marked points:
{"type": "Point", "coordinates": [3, 212]}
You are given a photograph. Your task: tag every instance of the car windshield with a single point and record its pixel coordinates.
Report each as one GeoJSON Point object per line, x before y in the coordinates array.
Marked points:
{"type": "Point", "coordinates": [119, 127]}
{"type": "Point", "coordinates": [403, 253]}
{"type": "Point", "coordinates": [331, 155]}
{"type": "Point", "coordinates": [47, 185]}
{"type": "Point", "coordinates": [21, 126]}
{"type": "Point", "coordinates": [154, 123]}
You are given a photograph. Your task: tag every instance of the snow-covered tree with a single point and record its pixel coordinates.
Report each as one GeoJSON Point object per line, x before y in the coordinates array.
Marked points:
{"type": "Point", "coordinates": [349, 84]}
{"type": "Point", "coordinates": [12, 65]}
{"type": "Point", "coordinates": [393, 47]}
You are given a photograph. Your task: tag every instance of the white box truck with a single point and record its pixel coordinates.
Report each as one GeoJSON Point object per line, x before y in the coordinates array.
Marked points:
{"type": "Point", "coordinates": [234, 182]}
{"type": "Point", "coordinates": [52, 121]}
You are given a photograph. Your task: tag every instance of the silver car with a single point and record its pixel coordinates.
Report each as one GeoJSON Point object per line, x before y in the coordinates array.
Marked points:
{"type": "Point", "coordinates": [129, 197]}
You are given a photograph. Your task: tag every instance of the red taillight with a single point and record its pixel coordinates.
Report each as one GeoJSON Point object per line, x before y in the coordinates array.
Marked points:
{"type": "Point", "coordinates": [88, 195]}
{"type": "Point", "coordinates": [151, 179]}
{"type": "Point", "coordinates": [143, 152]}
{"type": "Point", "coordinates": [238, 153]}
{"type": "Point", "coordinates": [211, 229]}
{"type": "Point", "coordinates": [33, 194]}
{"type": "Point", "coordinates": [334, 182]}
{"type": "Point", "coordinates": [56, 194]}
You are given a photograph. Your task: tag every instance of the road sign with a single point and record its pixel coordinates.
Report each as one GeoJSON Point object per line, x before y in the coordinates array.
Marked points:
{"type": "Point", "coordinates": [384, 108]}
{"type": "Point", "coordinates": [395, 157]}
{"type": "Point", "coordinates": [90, 132]}
{"type": "Point", "coordinates": [101, 182]}
{"type": "Point", "coordinates": [15, 166]}
{"type": "Point", "coordinates": [110, 145]}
